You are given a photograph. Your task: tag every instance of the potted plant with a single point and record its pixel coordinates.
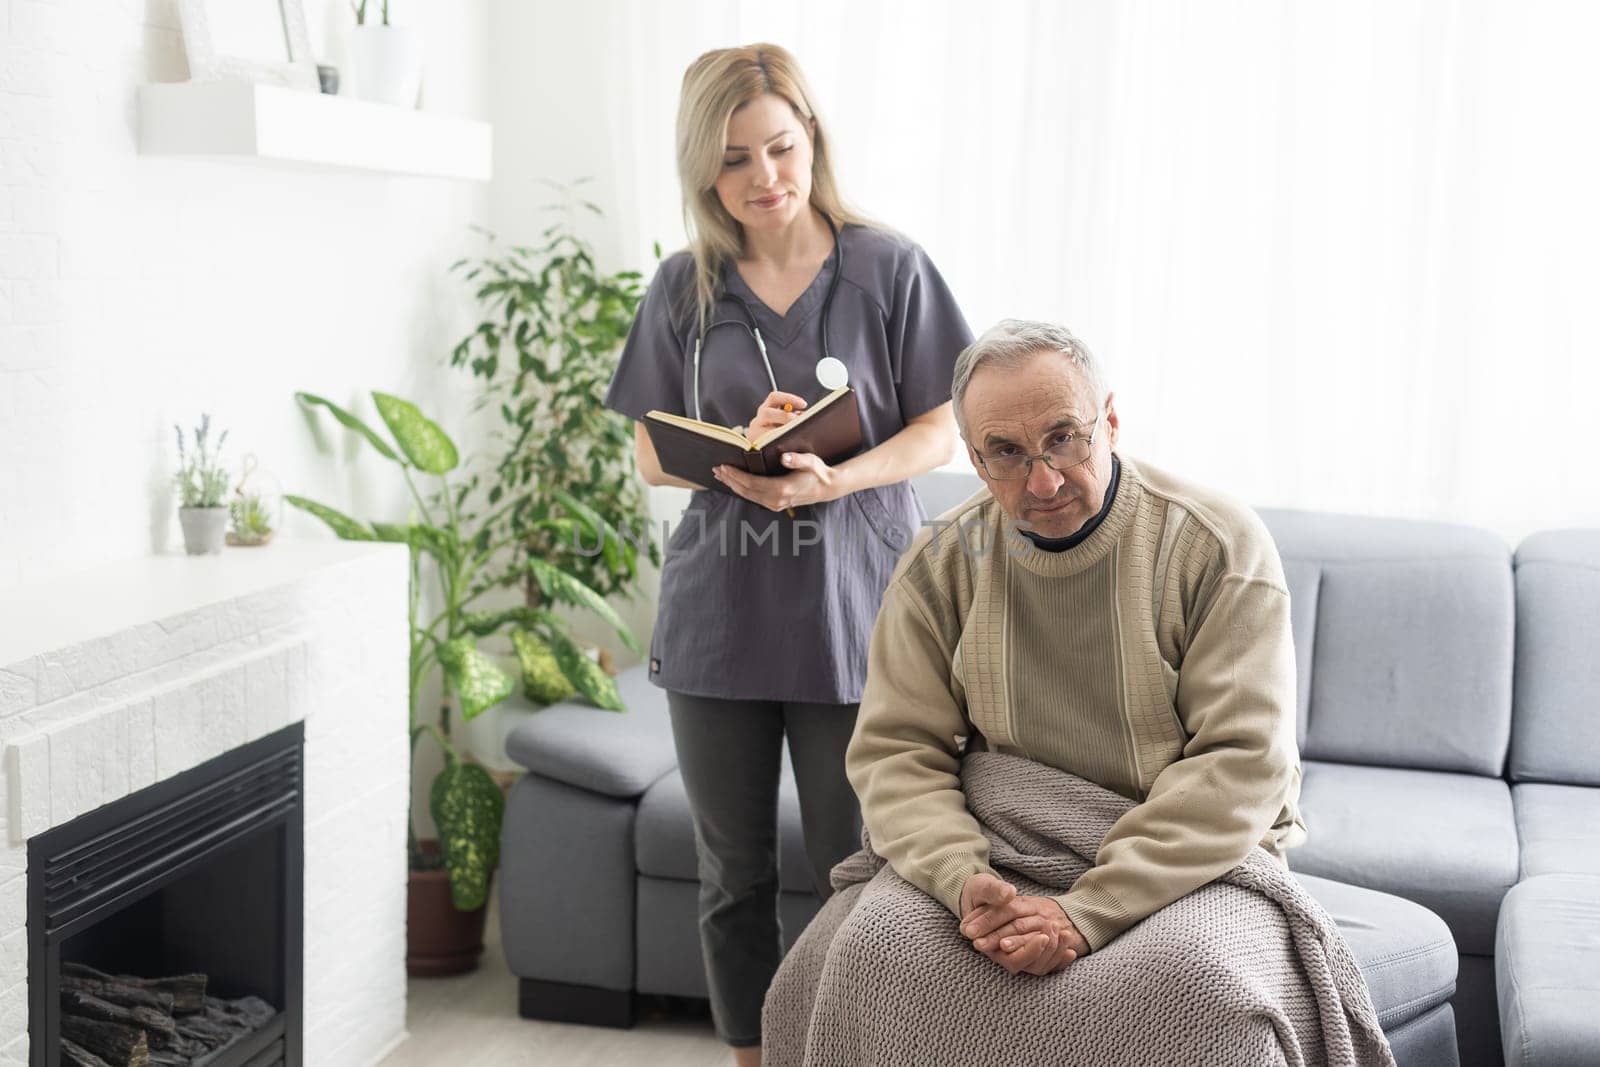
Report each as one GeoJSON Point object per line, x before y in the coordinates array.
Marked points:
{"type": "Point", "coordinates": [461, 552]}
{"type": "Point", "coordinates": [545, 349]}
{"type": "Point", "coordinates": [385, 60]}
{"type": "Point", "coordinates": [256, 508]}
{"type": "Point", "coordinates": [202, 484]}
{"type": "Point", "coordinates": [252, 519]}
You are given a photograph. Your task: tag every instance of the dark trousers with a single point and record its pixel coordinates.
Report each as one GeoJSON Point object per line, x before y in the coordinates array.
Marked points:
{"type": "Point", "coordinates": [728, 754]}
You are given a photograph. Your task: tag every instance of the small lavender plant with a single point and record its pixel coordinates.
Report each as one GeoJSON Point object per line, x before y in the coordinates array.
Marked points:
{"type": "Point", "coordinates": [201, 479]}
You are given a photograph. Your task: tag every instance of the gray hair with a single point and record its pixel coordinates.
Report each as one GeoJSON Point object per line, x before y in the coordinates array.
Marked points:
{"type": "Point", "coordinates": [1012, 341]}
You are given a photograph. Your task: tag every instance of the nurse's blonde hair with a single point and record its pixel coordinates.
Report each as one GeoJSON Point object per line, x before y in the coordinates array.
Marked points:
{"type": "Point", "coordinates": [714, 87]}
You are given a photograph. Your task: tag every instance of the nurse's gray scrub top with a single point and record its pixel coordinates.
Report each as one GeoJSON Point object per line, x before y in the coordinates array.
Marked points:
{"type": "Point", "coordinates": [756, 605]}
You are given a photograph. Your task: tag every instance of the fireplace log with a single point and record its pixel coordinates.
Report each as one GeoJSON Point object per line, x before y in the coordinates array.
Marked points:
{"type": "Point", "coordinates": [202, 1028]}
{"type": "Point", "coordinates": [118, 1045]}
{"type": "Point", "coordinates": [188, 991]}
{"type": "Point", "coordinates": [159, 1024]}
{"type": "Point", "coordinates": [249, 1013]}
{"type": "Point", "coordinates": [124, 993]}
{"type": "Point", "coordinates": [175, 1042]}
{"type": "Point", "coordinates": [77, 1056]}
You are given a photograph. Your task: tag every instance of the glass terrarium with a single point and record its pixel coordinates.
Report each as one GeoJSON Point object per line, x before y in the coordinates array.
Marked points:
{"type": "Point", "coordinates": [256, 510]}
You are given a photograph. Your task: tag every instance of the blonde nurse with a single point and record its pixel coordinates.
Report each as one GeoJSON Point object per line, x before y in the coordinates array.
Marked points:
{"type": "Point", "coordinates": [770, 584]}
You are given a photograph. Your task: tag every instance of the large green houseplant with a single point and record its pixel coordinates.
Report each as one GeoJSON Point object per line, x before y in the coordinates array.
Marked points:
{"type": "Point", "coordinates": [461, 552]}
{"type": "Point", "coordinates": [545, 350]}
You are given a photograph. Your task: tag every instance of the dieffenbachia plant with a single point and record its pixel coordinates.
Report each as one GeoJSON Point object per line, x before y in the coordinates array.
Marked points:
{"type": "Point", "coordinates": [459, 549]}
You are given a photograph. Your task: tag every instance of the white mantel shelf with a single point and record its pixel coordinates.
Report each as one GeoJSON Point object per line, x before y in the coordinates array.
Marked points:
{"type": "Point", "coordinates": [240, 120]}
{"type": "Point", "coordinates": [89, 604]}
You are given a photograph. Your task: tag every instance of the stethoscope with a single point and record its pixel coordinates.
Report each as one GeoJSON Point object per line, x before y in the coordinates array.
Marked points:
{"type": "Point", "coordinates": [831, 372]}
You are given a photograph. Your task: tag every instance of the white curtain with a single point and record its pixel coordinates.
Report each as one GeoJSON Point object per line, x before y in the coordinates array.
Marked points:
{"type": "Point", "coordinates": [1336, 256]}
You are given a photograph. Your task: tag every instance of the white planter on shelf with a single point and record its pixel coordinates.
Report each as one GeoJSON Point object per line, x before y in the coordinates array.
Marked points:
{"type": "Point", "coordinates": [203, 529]}
{"type": "Point", "coordinates": [385, 64]}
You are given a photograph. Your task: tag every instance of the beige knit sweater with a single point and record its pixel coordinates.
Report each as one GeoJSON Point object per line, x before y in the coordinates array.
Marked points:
{"type": "Point", "coordinates": [1154, 658]}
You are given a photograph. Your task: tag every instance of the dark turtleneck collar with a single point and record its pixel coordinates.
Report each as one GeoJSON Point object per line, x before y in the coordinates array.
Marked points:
{"type": "Point", "coordinates": [1061, 544]}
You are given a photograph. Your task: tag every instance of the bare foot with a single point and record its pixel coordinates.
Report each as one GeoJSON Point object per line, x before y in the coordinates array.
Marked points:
{"type": "Point", "coordinates": [749, 1056]}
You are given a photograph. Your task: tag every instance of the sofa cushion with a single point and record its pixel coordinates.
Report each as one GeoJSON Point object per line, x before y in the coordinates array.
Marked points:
{"type": "Point", "coordinates": [1409, 662]}
{"type": "Point", "coordinates": [1446, 841]}
{"type": "Point", "coordinates": [1558, 827]}
{"type": "Point", "coordinates": [1555, 734]}
{"type": "Point", "coordinates": [1405, 951]}
{"type": "Point", "coordinates": [941, 490]}
{"type": "Point", "coordinates": [1548, 985]}
{"type": "Point", "coordinates": [664, 833]}
{"type": "Point", "coordinates": [620, 754]}
{"type": "Point", "coordinates": [1304, 577]}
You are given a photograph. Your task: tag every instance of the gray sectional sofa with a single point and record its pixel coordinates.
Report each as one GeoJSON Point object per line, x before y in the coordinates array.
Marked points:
{"type": "Point", "coordinates": [1449, 724]}
{"type": "Point", "coordinates": [1547, 944]}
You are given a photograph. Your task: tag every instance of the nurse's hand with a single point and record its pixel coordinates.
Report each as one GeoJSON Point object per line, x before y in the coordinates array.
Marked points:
{"type": "Point", "coordinates": [770, 415]}
{"type": "Point", "coordinates": [810, 481]}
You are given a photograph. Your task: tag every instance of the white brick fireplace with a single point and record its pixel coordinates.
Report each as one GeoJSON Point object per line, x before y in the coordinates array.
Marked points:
{"type": "Point", "coordinates": [131, 673]}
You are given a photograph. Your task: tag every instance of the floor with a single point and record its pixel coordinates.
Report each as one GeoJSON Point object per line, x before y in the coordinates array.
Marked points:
{"type": "Point", "coordinates": [472, 1019]}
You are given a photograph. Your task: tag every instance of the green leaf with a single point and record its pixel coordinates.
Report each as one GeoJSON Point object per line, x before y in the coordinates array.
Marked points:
{"type": "Point", "coordinates": [563, 587]}
{"type": "Point", "coordinates": [585, 673]}
{"type": "Point", "coordinates": [347, 528]}
{"type": "Point", "coordinates": [312, 400]}
{"type": "Point", "coordinates": [544, 681]}
{"type": "Point", "coordinates": [443, 545]}
{"type": "Point", "coordinates": [423, 538]}
{"type": "Point", "coordinates": [396, 532]}
{"type": "Point", "coordinates": [484, 623]}
{"type": "Point", "coordinates": [597, 527]}
{"type": "Point", "coordinates": [474, 676]}
{"type": "Point", "coordinates": [468, 808]}
{"type": "Point", "coordinates": [424, 444]}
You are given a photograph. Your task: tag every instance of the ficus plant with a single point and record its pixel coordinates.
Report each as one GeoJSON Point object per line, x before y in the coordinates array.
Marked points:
{"type": "Point", "coordinates": [545, 350]}
{"type": "Point", "coordinates": [462, 554]}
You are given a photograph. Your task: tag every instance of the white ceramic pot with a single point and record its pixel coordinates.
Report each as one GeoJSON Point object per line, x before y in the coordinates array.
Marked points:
{"type": "Point", "coordinates": [385, 64]}
{"type": "Point", "coordinates": [203, 529]}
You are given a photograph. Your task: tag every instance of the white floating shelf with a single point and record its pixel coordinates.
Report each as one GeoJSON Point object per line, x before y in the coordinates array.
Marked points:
{"type": "Point", "coordinates": [240, 120]}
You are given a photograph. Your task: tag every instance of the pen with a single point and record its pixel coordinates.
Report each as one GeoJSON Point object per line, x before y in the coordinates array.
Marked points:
{"type": "Point", "coordinates": [788, 409]}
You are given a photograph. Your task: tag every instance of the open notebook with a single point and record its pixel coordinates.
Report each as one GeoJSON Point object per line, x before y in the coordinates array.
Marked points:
{"type": "Point", "coordinates": [689, 448]}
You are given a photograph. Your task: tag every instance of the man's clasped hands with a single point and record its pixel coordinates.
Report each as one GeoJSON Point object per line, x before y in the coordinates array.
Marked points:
{"type": "Point", "coordinates": [1023, 934]}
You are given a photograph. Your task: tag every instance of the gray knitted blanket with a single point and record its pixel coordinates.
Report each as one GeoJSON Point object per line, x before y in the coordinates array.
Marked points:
{"type": "Point", "coordinates": [1247, 970]}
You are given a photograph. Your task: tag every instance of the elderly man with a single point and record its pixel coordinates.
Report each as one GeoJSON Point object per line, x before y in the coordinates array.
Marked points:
{"type": "Point", "coordinates": [1092, 614]}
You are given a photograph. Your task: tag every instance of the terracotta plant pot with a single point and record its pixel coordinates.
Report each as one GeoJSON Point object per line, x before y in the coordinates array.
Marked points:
{"type": "Point", "coordinates": [440, 939]}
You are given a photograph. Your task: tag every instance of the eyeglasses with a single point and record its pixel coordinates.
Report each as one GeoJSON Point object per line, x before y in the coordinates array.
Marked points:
{"type": "Point", "coordinates": [1058, 457]}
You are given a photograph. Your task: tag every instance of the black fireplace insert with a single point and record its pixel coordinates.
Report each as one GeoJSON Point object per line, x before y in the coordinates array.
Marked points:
{"type": "Point", "coordinates": [168, 924]}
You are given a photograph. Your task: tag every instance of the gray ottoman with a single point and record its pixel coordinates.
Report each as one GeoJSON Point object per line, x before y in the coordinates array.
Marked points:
{"type": "Point", "coordinates": [1549, 987]}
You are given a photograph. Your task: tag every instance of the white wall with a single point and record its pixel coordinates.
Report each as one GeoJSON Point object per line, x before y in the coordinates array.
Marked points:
{"type": "Point", "coordinates": [556, 91]}
{"type": "Point", "coordinates": [136, 292]}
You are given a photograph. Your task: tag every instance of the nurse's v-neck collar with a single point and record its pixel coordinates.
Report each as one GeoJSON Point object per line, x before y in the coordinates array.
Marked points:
{"type": "Point", "coordinates": [783, 329]}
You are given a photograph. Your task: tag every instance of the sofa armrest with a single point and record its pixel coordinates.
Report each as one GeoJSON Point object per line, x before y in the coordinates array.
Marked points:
{"type": "Point", "coordinates": [568, 885]}
{"type": "Point", "coordinates": [618, 754]}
